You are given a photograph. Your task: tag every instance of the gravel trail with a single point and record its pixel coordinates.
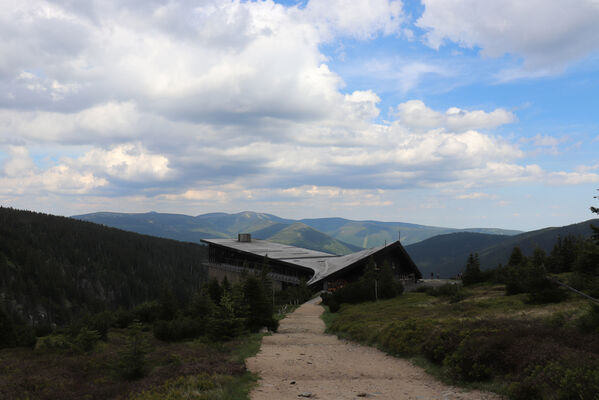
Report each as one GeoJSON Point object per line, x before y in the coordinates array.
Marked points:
{"type": "Point", "coordinates": [301, 361]}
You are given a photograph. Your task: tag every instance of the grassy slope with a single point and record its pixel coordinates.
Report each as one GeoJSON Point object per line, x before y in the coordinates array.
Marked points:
{"type": "Point", "coordinates": [175, 370]}
{"type": "Point", "coordinates": [372, 322]}
{"type": "Point", "coordinates": [301, 235]}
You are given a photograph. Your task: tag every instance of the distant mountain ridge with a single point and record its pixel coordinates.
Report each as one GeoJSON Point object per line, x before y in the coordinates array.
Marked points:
{"type": "Point", "coordinates": [446, 255]}
{"type": "Point", "coordinates": [344, 236]}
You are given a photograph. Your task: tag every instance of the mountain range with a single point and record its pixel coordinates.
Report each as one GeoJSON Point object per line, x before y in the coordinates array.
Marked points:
{"type": "Point", "coordinates": [344, 235]}
{"type": "Point", "coordinates": [439, 250]}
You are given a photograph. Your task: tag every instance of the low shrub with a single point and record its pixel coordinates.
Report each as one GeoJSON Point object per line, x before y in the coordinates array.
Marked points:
{"type": "Point", "coordinates": [334, 305]}
{"type": "Point", "coordinates": [589, 322]}
{"type": "Point", "coordinates": [560, 380]}
{"type": "Point", "coordinates": [148, 312]}
{"type": "Point", "coordinates": [355, 292]}
{"type": "Point", "coordinates": [366, 289]}
{"type": "Point", "coordinates": [123, 318]}
{"type": "Point", "coordinates": [542, 291]}
{"type": "Point", "coordinates": [452, 291]}
{"type": "Point", "coordinates": [404, 337]}
{"type": "Point", "coordinates": [86, 339]}
{"type": "Point", "coordinates": [100, 323]}
{"type": "Point", "coordinates": [442, 342]}
{"type": "Point", "coordinates": [178, 329]}
{"type": "Point", "coordinates": [478, 357]}
{"type": "Point", "coordinates": [53, 342]}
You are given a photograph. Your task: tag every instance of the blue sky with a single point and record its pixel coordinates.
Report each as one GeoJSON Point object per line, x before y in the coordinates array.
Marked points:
{"type": "Point", "coordinates": [460, 114]}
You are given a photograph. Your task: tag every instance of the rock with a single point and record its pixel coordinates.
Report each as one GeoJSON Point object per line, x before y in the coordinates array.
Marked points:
{"type": "Point", "coordinates": [292, 383]}
{"type": "Point", "coordinates": [305, 394]}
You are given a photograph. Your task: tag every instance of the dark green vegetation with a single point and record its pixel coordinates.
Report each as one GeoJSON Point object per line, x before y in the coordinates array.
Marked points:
{"type": "Point", "coordinates": [94, 312]}
{"type": "Point", "coordinates": [373, 285]}
{"type": "Point", "coordinates": [54, 270]}
{"type": "Point", "coordinates": [488, 340]}
{"type": "Point", "coordinates": [196, 369]}
{"type": "Point", "coordinates": [170, 350]}
{"type": "Point", "coordinates": [445, 254]}
{"type": "Point", "coordinates": [344, 236]}
{"type": "Point", "coordinates": [510, 329]}
{"type": "Point", "coordinates": [594, 227]}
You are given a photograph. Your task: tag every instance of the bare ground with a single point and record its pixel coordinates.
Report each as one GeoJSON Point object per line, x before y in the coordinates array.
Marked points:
{"type": "Point", "coordinates": [301, 361]}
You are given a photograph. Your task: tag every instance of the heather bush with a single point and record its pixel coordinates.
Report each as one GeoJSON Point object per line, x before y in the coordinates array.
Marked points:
{"type": "Point", "coordinates": [122, 318]}
{"type": "Point", "coordinates": [442, 342]}
{"type": "Point", "coordinates": [453, 292]}
{"type": "Point", "coordinates": [178, 329]}
{"type": "Point", "coordinates": [404, 337]}
{"type": "Point", "coordinates": [54, 342]}
{"type": "Point", "coordinates": [478, 357]}
{"type": "Point", "coordinates": [334, 305]}
{"type": "Point", "coordinates": [589, 322]}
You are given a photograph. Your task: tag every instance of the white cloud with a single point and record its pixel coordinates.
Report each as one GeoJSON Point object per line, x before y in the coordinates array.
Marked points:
{"type": "Point", "coordinates": [416, 115]}
{"type": "Point", "coordinates": [19, 162]}
{"type": "Point", "coordinates": [545, 141]}
{"type": "Point", "coordinates": [127, 162]}
{"type": "Point", "coordinates": [217, 101]}
{"type": "Point", "coordinates": [199, 195]}
{"type": "Point", "coordinates": [475, 196]}
{"type": "Point", "coordinates": [361, 105]}
{"type": "Point", "coordinates": [22, 177]}
{"type": "Point", "coordinates": [549, 35]}
{"type": "Point", "coordinates": [362, 19]}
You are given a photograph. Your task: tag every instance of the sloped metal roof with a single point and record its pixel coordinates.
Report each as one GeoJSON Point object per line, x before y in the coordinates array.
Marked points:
{"type": "Point", "coordinates": [323, 264]}
{"type": "Point", "coordinates": [273, 250]}
{"type": "Point", "coordinates": [324, 267]}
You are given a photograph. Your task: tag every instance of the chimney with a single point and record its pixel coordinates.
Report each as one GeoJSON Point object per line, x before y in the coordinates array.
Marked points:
{"type": "Point", "coordinates": [244, 237]}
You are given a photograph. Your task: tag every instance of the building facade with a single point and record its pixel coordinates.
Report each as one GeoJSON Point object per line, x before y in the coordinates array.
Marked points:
{"type": "Point", "coordinates": [289, 265]}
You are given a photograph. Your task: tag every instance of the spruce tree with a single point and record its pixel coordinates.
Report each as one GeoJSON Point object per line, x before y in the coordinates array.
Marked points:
{"type": "Point", "coordinates": [7, 330]}
{"type": "Point", "coordinates": [593, 227]}
{"type": "Point", "coordinates": [516, 257]}
{"type": "Point", "coordinates": [472, 273]}
{"type": "Point", "coordinates": [259, 304]}
{"type": "Point", "coordinates": [215, 290]}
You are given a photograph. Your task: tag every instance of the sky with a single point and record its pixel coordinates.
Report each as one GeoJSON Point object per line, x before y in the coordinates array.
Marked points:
{"type": "Point", "coordinates": [458, 114]}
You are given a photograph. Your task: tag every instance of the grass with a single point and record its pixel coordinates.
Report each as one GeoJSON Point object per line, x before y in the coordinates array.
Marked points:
{"type": "Point", "coordinates": [486, 341]}
{"type": "Point", "coordinates": [328, 317]}
{"type": "Point", "coordinates": [201, 387]}
{"type": "Point", "coordinates": [196, 369]}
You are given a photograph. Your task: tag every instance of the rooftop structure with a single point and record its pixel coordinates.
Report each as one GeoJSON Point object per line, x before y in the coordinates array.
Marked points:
{"type": "Point", "coordinates": [317, 268]}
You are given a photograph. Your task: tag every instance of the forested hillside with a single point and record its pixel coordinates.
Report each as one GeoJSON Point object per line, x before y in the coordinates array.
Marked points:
{"type": "Point", "coordinates": [446, 254]}
{"type": "Point", "coordinates": [53, 269]}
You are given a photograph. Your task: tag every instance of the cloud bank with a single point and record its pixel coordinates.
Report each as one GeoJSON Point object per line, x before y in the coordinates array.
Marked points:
{"type": "Point", "coordinates": [220, 101]}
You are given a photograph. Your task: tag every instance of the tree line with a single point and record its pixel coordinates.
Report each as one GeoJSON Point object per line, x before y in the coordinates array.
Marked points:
{"type": "Point", "coordinates": [54, 270]}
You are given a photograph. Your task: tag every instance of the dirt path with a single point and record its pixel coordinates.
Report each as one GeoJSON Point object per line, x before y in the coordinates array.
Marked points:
{"type": "Point", "coordinates": [301, 361]}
